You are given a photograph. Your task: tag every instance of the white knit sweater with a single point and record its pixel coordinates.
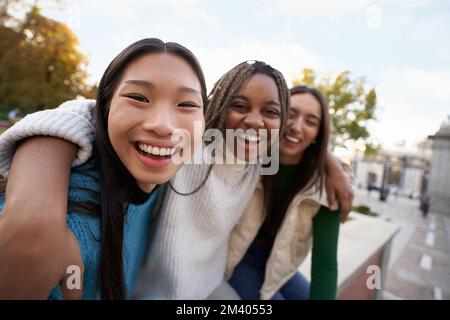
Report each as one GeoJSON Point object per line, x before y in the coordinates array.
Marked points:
{"type": "Point", "coordinates": [188, 249]}
{"type": "Point", "coordinates": [73, 121]}
{"type": "Point", "coordinates": [188, 254]}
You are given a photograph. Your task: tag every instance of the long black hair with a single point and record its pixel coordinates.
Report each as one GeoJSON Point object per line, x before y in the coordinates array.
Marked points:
{"type": "Point", "coordinates": [308, 173]}
{"type": "Point", "coordinates": [118, 187]}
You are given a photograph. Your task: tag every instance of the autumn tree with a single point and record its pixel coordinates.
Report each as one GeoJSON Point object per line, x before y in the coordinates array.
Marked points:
{"type": "Point", "coordinates": [350, 103]}
{"type": "Point", "coordinates": [40, 64]}
{"type": "Point", "coordinates": [5, 8]}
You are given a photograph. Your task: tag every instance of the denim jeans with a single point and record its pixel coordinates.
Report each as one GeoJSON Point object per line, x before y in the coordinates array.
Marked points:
{"type": "Point", "coordinates": [248, 277]}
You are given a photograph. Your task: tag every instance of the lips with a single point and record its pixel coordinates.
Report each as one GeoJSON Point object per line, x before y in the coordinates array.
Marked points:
{"type": "Point", "coordinates": [154, 156]}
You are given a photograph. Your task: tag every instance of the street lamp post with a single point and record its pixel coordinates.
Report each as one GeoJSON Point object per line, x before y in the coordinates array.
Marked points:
{"type": "Point", "coordinates": [384, 190]}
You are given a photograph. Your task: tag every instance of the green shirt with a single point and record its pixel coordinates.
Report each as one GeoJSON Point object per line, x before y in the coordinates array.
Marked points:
{"type": "Point", "coordinates": [324, 269]}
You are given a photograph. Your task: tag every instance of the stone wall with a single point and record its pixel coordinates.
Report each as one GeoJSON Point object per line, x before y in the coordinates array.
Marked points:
{"type": "Point", "coordinates": [439, 180]}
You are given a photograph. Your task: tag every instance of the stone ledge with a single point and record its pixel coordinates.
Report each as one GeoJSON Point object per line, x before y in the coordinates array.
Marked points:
{"type": "Point", "coordinates": [363, 241]}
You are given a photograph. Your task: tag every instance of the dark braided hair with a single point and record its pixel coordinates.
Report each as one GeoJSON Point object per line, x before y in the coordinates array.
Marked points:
{"type": "Point", "coordinates": [227, 87]}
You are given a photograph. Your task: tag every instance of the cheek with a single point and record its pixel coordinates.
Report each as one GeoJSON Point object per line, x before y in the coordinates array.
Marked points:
{"type": "Point", "coordinates": [193, 125]}
{"type": "Point", "coordinates": [273, 124]}
{"type": "Point", "coordinates": [120, 121]}
{"type": "Point", "coordinates": [233, 118]}
{"type": "Point", "coordinates": [196, 128]}
{"type": "Point", "coordinates": [311, 133]}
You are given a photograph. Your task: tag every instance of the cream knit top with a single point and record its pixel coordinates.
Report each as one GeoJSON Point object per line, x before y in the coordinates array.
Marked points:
{"type": "Point", "coordinates": [188, 249]}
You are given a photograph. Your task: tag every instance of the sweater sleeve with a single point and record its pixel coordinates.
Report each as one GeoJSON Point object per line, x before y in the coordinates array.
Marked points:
{"type": "Point", "coordinates": [72, 121]}
{"type": "Point", "coordinates": [324, 269]}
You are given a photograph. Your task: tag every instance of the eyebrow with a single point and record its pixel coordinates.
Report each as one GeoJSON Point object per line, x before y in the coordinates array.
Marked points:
{"type": "Point", "coordinates": [274, 103]}
{"type": "Point", "coordinates": [147, 84]}
{"type": "Point", "coordinates": [240, 97]}
{"type": "Point", "coordinates": [310, 115]}
{"type": "Point", "coordinates": [141, 83]}
{"type": "Point", "coordinates": [189, 90]}
{"type": "Point", "coordinates": [270, 102]}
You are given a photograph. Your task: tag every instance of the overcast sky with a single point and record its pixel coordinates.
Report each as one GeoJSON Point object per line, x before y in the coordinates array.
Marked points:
{"type": "Point", "coordinates": [401, 47]}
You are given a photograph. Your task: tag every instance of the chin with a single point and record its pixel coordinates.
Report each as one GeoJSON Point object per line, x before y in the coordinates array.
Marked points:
{"type": "Point", "coordinates": [159, 179]}
{"type": "Point", "coordinates": [154, 178]}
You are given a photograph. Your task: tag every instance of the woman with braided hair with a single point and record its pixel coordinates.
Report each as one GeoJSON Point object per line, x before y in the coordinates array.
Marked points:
{"type": "Point", "coordinates": [188, 251]}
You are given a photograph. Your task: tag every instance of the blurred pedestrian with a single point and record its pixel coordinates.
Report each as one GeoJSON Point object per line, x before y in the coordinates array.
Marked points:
{"type": "Point", "coordinates": [14, 115]}
{"type": "Point", "coordinates": [425, 206]}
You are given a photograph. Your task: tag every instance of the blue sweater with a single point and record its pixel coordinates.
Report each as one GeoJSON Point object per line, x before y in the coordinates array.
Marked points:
{"type": "Point", "coordinates": [84, 186]}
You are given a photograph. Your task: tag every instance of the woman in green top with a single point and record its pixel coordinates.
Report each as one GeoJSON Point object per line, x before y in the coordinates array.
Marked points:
{"type": "Point", "coordinates": [303, 149]}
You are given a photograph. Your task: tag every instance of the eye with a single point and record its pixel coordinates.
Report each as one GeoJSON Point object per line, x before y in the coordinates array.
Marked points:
{"type": "Point", "coordinates": [239, 106]}
{"type": "Point", "coordinates": [311, 123]}
{"type": "Point", "coordinates": [136, 96]}
{"type": "Point", "coordinates": [189, 104]}
{"type": "Point", "coordinates": [273, 112]}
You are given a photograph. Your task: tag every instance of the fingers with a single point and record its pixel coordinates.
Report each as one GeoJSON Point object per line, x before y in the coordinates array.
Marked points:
{"type": "Point", "coordinates": [344, 216]}
{"type": "Point", "coordinates": [346, 201]}
{"type": "Point", "coordinates": [331, 197]}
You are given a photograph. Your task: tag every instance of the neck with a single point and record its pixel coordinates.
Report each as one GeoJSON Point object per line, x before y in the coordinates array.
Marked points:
{"type": "Point", "coordinates": [147, 188]}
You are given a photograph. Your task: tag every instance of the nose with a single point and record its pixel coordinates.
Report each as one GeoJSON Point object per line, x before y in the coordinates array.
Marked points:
{"type": "Point", "coordinates": [296, 126]}
{"type": "Point", "coordinates": [254, 120]}
{"type": "Point", "coordinates": [159, 119]}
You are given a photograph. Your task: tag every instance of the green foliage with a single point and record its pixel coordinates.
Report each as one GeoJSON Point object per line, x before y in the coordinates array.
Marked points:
{"type": "Point", "coordinates": [351, 105]}
{"type": "Point", "coordinates": [40, 64]}
{"type": "Point", "coordinates": [365, 210]}
{"type": "Point", "coordinates": [371, 150]}
{"type": "Point", "coordinates": [4, 112]}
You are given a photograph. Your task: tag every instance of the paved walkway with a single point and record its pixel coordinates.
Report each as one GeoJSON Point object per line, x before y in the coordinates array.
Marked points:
{"type": "Point", "coordinates": [419, 266]}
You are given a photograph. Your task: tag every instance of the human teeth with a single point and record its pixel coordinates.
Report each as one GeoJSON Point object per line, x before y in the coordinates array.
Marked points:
{"type": "Point", "coordinates": [249, 137]}
{"type": "Point", "coordinates": [142, 147]}
{"type": "Point", "coordinates": [157, 151]}
{"type": "Point", "coordinates": [292, 139]}
{"type": "Point", "coordinates": [252, 138]}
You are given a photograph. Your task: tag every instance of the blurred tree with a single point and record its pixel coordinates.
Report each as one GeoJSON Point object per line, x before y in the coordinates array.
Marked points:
{"type": "Point", "coordinates": [5, 7]}
{"type": "Point", "coordinates": [350, 104]}
{"type": "Point", "coordinates": [372, 150]}
{"type": "Point", "coordinates": [11, 9]}
{"type": "Point", "coordinates": [40, 65]}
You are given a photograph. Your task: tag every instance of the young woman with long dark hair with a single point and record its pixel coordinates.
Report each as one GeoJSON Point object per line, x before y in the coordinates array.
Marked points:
{"type": "Point", "coordinates": [148, 92]}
